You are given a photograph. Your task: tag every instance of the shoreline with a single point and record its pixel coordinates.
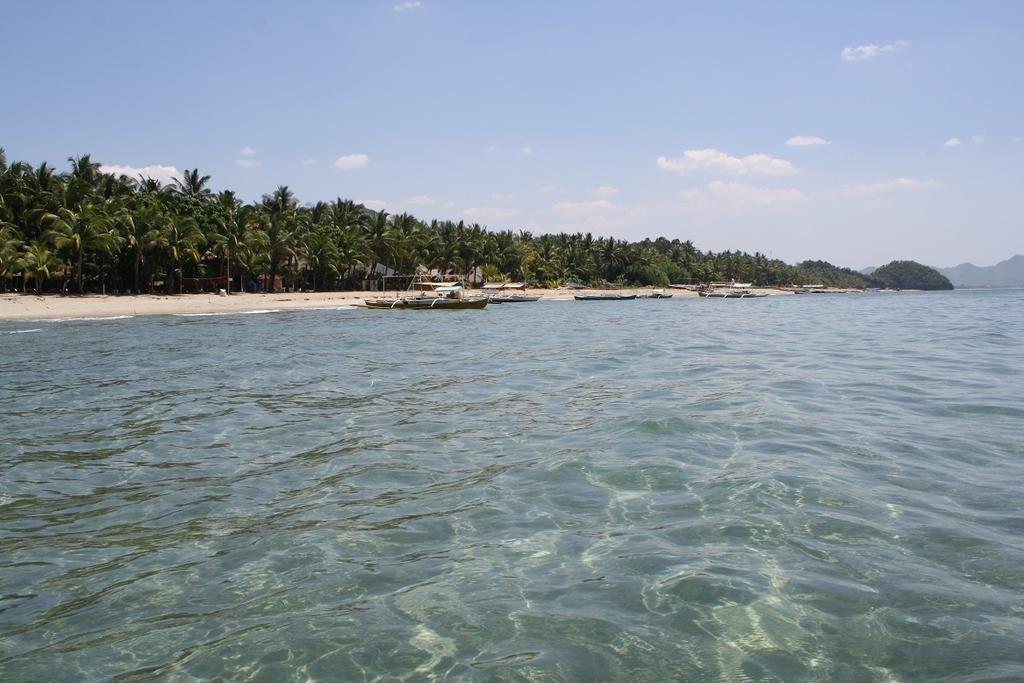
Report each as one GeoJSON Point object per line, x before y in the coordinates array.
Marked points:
{"type": "Point", "coordinates": [22, 307]}
{"type": "Point", "coordinates": [49, 307]}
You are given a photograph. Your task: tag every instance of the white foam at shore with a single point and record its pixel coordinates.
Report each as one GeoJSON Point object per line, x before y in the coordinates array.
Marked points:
{"type": "Point", "coordinates": [344, 307]}
{"type": "Point", "coordinates": [73, 319]}
{"type": "Point", "coordinates": [206, 315]}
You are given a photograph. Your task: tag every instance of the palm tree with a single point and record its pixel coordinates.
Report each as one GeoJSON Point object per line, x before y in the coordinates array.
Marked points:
{"type": "Point", "coordinates": [232, 229]}
{"type": "Point", "coordinates": [140, 231]}
{"type": "Point", "coordinates": [9, 257]}
{"type": "Point", "coordinates": [378, 240]}
{"type": "Point", "coordinates": [80, 232]}
{"type": "Point", "coordinates": [406, 241]}
{"type": "Point", "coordinates": [39, 263]}
{"type": "Point", "coordinates": [180, 239]}
{"type": "Point", "coordinates": [193, 185]}
{"type": "Point", "coordinates": [82, 182]}
{"type": "Point", "coordinates": [319, 250]}
{"type": "Point", "coordinates": [252, 255]}
{"type": "Point", "coordinates": [280, 227]}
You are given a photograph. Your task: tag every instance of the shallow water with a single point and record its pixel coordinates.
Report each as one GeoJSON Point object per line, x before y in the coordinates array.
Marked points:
{"type": "Point", "coordinates": [793, 488]}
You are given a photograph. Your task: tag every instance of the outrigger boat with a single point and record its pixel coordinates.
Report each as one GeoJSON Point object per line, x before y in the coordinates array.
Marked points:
{"type": "Point", "coordinates": [730, 290]}
{"type": "Point", "coordinates": [501, 294]}
{"type": "Point", "coordinates": [604, 297]}
{"type": "Point", "coordinates": [426, 294]}
{"type": "Point", "coordinates": [725, 294]}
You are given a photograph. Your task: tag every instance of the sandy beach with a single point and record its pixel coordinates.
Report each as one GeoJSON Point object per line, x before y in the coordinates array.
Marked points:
{"type": "Point", "coordinates": [51, 306]}
{"type": "Point", "coordinates": [55, 306]}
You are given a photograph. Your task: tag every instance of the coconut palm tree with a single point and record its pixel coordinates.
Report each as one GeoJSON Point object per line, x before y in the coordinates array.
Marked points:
{"type": "Point", "coordinates": [82, 181]}
{"type": "Point", "coordinates": [252, 255]}
{"type": "Point", "coordinates": [81, 232]}
{"type": "Point", "coordinates": [193, 185]}
{"type": "Point", "coordinates": [180, 239]}
{"type": "Point", "coordinates": [406, 237]}
{"type": "Point", "coordinates": [140, 230]}
{"type": "Point", "coordinates": [9, 255]}
{"type": "Point", "coordinates": [232, 227]}
{"type": "Point", "coordinates": [378, 240]}
{"type": "Point", "coordinates": [280, 226]}
{"type": "Point", "coordinates": [39, 263]}
{"type": "Point", "coordinates": [319, 251]}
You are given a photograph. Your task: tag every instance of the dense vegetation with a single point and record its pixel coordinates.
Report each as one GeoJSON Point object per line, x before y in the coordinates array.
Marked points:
{"type": "Point", "coordinates": [909, 275]}
{"type": "Point", "coordinates": [85, 230]}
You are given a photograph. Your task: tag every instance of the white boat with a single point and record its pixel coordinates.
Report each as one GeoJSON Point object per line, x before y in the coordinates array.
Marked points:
{"type": "Point", "coordinates": [423, 294]}
{"type": "Point", "coordinates": [508, 293]}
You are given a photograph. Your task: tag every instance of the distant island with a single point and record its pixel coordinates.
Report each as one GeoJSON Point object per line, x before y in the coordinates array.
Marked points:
{"type": "Point", "coordinates": [909, 275]}
{"type": "Point", "coordinates": [84, 230]}
{"type": "Point", "coordinates": [1008, 273]}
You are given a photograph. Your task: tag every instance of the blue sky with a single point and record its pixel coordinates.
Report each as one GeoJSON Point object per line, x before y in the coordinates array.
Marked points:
{"type": "Point", "coordinates": [632, 120]}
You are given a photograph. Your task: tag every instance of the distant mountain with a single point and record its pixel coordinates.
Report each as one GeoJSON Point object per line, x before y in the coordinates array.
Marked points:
{"type": "Point", "coordinates": [867, 271]}
{"type": "Point", "coordinates": [1008, 273]}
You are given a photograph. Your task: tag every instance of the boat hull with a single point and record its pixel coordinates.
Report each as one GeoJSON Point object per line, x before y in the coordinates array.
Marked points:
{"type": "Point", "coordinates": [426, 304]}
{"type": "Point", "coordinates": [732, 295]}
{"type": "Point", "coordinates": [512, 299]}
{"type": "Point", "coordinates": [601, 297]}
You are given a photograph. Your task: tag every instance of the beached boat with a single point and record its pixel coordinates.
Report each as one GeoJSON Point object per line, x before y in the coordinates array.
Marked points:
{"type": "Point", "coordinates": [418, 303]}
{"type": "Point", "coordinates": [508, 293]}
{"type": "Point", "coordinates": [658, 294]}
{"type": "Point", "coordinates": [731, 294]}
{"type": "Point", "coordinates": [429, 295]}
{"type": "Point", "coordinates": [730, 290]}
{"type": "Point", "coordinates": [604, 297]}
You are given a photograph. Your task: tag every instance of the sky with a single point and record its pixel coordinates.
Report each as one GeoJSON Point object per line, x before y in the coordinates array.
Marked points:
{"type": "Point", "coordinates": [857, 133]}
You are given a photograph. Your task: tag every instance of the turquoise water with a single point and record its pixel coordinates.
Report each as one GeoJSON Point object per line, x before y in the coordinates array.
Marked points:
{"type": "Point", "coordinates": [792, 488]}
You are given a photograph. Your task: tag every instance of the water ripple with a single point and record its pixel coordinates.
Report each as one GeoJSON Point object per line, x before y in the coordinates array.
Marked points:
{"type": "Point", "coordinates": [780, 489]}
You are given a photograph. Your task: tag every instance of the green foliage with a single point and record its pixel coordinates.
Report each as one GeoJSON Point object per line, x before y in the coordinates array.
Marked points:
{"type": "Point", "coordinates": [909, 275]}
{"type": "Point", "coordinates": [134, 234]}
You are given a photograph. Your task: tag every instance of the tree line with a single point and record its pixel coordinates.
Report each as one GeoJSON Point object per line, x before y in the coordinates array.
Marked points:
{"type": "Point", "coordinates": [83, 230]}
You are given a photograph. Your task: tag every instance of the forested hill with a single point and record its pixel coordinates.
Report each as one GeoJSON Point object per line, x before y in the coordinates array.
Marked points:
{"type": "Point", "coordinates": [909, 275]}
{"type": "Point", "coordinates": [85, 230]}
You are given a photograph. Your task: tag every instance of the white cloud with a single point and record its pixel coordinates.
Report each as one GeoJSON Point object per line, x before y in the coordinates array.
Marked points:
{"type": "Point", "coordinates": [547, 188]}
{"type": "Point", "coordinates": [502, 196]}
{"type": "Point", "coordinates": [308, 162]}
{"type": "Point", "coordinates": [247, 151]}
{"type": "Point", "coordinates": [450, 204]}
{"type": "Point", "coordinates": [894, 185]}
{"type": "Point", "coordinates": [591, 207]}
{"type": "Point", "coordinates": [978, 139]}
{"type": "Point", "coordinates": [421, 200]}
{"type": "Point", "coordinates": [492, 213]}
{"type": "Point", "coordinates": [1016, 138]}
{"type": "Point", "coordinates": [248, 163]}
{"type": "Point", "coordinates": [806, 141]}
{"type": "Point", "coordinates": [165, 174]}
{"type": "Point", "coordinates": [855, 54]}
{"type": "Point", "coordinates": [952, 142]}
{"type": "Point", "coordinates": [375, 204]}
{"type": "Point", "coordinates": [406, 6]}
{"type": "Point", "coordinates": [604, 191]}
{"type": "Point", "coordinates": [526, 150]}
{"type": "Point", "coordinates": [717, 161]}
{"type": "Point", "coordinates": [351, 161]}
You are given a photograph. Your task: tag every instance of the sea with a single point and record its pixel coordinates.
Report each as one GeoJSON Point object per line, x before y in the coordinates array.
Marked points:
{"type": "Point", "coordinates": [792, 488]}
